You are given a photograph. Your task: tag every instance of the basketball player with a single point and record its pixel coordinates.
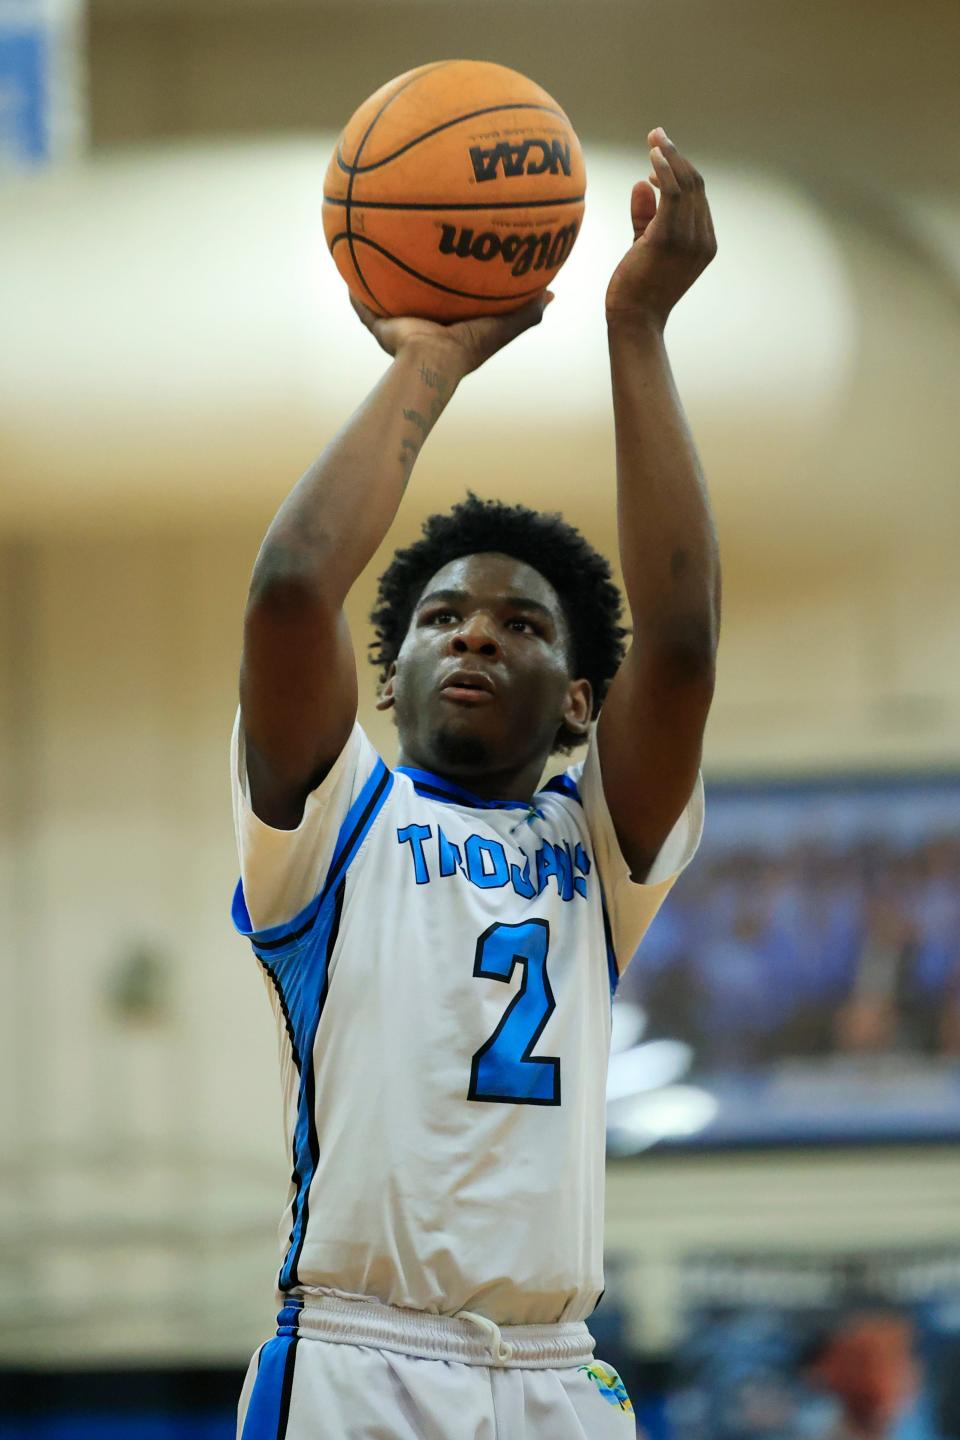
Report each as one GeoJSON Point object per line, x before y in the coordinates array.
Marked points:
{"type": "Point", "coordinates": [441, 939]}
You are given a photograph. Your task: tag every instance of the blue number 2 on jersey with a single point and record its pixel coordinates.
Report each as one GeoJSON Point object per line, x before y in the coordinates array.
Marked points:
{"type": "Point", "coordinates": [502, 1068]}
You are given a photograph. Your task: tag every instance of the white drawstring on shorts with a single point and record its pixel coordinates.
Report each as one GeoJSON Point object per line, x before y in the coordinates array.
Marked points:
{"type": "Point", "coordinates": [500, 1350]}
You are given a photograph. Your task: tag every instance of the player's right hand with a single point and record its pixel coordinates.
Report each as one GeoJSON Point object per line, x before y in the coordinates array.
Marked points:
{"type": "Point", "coordinates": [467, 342]}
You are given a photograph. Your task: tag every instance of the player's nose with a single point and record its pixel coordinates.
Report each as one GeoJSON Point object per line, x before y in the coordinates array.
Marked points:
{"type": "Point", "coordinates": [475, 636]}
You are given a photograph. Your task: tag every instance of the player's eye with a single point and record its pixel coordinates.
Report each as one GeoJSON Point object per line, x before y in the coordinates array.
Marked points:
{"type": "Point", "coordinates": [518, 622]}
{"type": "Point", "coordinates": [440, 617]}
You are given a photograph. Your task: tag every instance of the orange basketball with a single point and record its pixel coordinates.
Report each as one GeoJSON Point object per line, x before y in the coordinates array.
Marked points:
{"type": "Point", "coordinates": [457, 189]}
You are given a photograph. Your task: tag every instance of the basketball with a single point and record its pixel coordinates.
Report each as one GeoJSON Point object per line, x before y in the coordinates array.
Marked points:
{"type": "Point", "coordinates": [457, 189]}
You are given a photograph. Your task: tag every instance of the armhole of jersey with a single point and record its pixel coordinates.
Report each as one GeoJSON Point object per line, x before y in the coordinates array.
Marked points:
{"type": "Point", "coordinates": [629, 906]}
{"type": "Point", "coordinates": [613, 971]}
{"type": "Point", "coordinates": [353, 831]}
{"type": "Point", "coordinates": [565, 783]}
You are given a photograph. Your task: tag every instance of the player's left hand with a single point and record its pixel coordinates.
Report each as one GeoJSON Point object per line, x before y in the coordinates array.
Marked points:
{"type": "Point", "coordinates": [673, 242]}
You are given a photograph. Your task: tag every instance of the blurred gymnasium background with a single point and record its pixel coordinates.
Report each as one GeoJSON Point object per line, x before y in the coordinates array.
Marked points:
{"type": "Point", "coordinates": [176, 345]}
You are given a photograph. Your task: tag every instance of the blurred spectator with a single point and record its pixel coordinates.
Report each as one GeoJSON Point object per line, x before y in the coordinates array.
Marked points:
{"type": "Point", "coordinates": [869, 1019]}
{"type": "Point", "coordinates": [866, 1362]}
{"type": "Point", "coordinates": [807, 951]}
{"type": "Point", "coordinates": [748, 1373]}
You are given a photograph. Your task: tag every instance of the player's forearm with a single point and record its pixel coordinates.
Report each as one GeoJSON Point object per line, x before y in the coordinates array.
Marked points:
{"type": "Point", "coordinates": [668, 545]}
{"type": "Point", "coordinates": [337, 514]}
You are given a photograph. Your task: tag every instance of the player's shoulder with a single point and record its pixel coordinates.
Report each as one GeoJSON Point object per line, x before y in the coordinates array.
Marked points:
{"type": "Point", "coordinates": [565, 784]}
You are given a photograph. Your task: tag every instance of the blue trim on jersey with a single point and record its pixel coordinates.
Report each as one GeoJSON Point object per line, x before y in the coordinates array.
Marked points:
{"type": "Point", "coordinates": [613, 974]}
{"type": "Point", "coordinates": [299, 976]}
{"type": "Point", "coordinates": [360, 817]}
{"type": "Point", "coordinates": [269, 1407]}
{"type": "Point", "coordinates": [277, 935]}
{"type": "Point", "coordinates": [289, 1318]}
{"type": "Point", "coordinates": [564, 784]}
{"type": "Point", "coordinates": [296, 957]}
{"type": "Point", "coordinates": [435, 787]}
{"type": "Point", "coordinates": [352, 833]}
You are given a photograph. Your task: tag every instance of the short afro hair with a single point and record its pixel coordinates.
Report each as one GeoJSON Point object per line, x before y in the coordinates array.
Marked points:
{"type": "Point", "coordinates": [591, 603]}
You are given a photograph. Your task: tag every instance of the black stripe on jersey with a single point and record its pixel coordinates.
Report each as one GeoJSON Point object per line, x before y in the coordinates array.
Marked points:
{"type": "Point", "coordinates": [286, 1389]}
{"type": "Point", "coordinates": [453, 794]}
{"type": "Point", "coordinates": [287, 939]}
{"type": "Point", "coordinates": [288, 1023]}
{"type": "Point", "coordinates": [331, 880]}
{"type": "Point", "coordinates": [432, 790]}
{"type": "Point", "coordinates": [613, 974]}
{"type": "Point", "coordinates": [358, 829]}
{"type": "Point", "coordinates": [284, 1012]}
{"type": "Point", "coordinates": [309, 1088]}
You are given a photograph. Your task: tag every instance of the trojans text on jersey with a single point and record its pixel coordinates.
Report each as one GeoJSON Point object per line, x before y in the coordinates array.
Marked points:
{"type": "Point", "coordinates": [484, 862]}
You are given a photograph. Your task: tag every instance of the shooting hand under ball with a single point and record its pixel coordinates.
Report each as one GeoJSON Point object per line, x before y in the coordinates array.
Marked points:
{"type": "Point", "coordinates": [466, 343]}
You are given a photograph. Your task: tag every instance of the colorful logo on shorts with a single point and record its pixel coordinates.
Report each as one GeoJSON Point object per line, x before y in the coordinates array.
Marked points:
{"type": "Point", "coordinates": [609, 1384]}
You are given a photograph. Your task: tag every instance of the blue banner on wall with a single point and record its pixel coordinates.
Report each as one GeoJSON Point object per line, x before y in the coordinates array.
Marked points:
{"type": "Point", "coordinates": [40, 70]}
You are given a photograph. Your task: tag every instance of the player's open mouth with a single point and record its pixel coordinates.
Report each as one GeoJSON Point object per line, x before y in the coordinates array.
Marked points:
{"type": "Point", "coordinates": [463, 695]}
{"type": "Point", "coordinates": [468, 688]}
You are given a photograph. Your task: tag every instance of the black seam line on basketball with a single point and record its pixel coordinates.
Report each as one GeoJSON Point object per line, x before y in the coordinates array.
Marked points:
{"type": "Point", "coordinates": [345, 856]}
{"type": "Point", "coordinates": [363, 279]}
{"type": "Point", "coordinates": [286, 1389]}
{"type": "Point", "coordinates": [441, 205]}
{"type": "Point", "coordinates": [310, 1089]}
{"type": "Point", "coordinates": [435, 284]}
{"type": "Point", "coordinates": [356, 169]}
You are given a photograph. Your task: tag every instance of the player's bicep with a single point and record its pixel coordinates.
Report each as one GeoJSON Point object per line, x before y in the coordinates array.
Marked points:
{"type": "Point", "coordinates": [650, 740]}
{"type": "Point", "coordinates": [298, 694]}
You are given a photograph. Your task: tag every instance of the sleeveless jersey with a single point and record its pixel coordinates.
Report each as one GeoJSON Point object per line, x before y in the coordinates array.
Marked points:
{"type": "Point", "coordinates": [441, 968]}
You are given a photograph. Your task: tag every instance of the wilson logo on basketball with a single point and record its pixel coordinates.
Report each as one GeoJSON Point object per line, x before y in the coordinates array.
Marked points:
{"type": "Point", "coordinates": [547, 155]}
{"type": "Point", "coordinates": [547, 250]}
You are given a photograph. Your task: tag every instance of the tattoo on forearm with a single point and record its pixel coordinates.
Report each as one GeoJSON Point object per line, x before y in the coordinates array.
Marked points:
{"type": "Point", "coordinates": [409, 447]}
{"type": "Point", "coordinates": [435, 381]}
{"type": "Point", "coordinates": [409, 450]}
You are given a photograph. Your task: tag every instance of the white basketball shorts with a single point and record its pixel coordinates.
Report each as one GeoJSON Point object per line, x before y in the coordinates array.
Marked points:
{"type": "Point", "coordinates": [349, 1369]}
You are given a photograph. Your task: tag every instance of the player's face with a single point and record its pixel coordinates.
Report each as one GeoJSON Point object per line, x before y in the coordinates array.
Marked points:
{"type": "Point", "coordinates": [483, 682]}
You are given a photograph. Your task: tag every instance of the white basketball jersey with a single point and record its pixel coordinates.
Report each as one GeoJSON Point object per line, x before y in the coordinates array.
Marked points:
{"type": "Point", "coordinates": [441, 968]}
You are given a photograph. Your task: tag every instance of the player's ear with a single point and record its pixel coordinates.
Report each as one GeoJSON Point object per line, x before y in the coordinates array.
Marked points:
{"type": "Point", "coordinates": [578, 707]}
{"type": "Point", "coordinates": [385, 697]}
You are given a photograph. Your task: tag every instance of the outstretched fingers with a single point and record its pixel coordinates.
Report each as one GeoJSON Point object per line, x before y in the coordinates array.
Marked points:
{"type": "Point", "coordinates": [683, 201]}
{"type": "Point", "coordinates": [684, 173]}
{"type": "Point", "coordinates": [663, 175]}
